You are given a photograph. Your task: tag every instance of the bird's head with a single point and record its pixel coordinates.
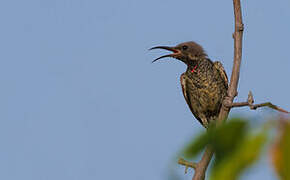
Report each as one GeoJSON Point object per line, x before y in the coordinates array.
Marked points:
{"type": "Point", "coordinates": [185, 52]}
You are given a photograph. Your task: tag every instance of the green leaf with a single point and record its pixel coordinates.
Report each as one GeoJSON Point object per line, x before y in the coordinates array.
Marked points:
{"type": "Point", "coordinates": [223, 139]}
{"type": "Point", "coordinates": [231, 165]}
{"type": "Point", "coordinates": [228, 137]}
{"type": "Point", "coordinates": [196, 146]}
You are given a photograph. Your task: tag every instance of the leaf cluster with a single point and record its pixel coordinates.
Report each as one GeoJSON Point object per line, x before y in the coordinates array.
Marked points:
{"type": "Point", "coordinates": [237, 147]}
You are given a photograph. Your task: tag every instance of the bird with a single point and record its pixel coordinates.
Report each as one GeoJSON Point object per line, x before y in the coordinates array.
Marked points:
{"type": "Point", "coordinates": [204, 83]}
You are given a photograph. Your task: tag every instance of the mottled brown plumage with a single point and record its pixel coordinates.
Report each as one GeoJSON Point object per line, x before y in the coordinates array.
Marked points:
{"type": "Point", "coordinates": [204, 84]}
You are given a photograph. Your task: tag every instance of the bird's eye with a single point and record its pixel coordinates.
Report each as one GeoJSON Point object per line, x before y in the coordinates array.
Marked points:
{"type": "Point", "coordinates": [184, 47]}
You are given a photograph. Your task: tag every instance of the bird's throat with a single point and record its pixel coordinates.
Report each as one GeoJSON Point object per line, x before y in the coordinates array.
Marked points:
{"type": "Point", "coordinates": [193, 69]}
{"type": "Point", "coordinates": [193, 66]}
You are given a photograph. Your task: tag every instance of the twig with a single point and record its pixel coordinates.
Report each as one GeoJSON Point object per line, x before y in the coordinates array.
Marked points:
{"type": "Point", "coordinates": [232, 91]}
{"type": "Point", "coordinates": [255, 106]}
{"type": "Point", "coordinates": [186, 164]}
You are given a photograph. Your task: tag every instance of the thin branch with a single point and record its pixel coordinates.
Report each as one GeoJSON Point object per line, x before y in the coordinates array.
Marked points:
{"type": "Point", "coordinates": [187, 164]}
{"type": "Point", "coordinates": [270, 105]}
{"type": "Point", "coordinates": [255, 106]}
{"type": "Point", "coordinates": [232, 91]}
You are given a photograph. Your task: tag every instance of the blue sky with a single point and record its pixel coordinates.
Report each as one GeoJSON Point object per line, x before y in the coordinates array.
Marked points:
{"type": "Point", "coordinates": [80, 99]}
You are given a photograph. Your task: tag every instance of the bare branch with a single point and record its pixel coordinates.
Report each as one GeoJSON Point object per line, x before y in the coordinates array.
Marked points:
{"type": "Point", "coordinates": [270, 105]}
{"type": "Point", "coordinates": [232, 91]}
{"type": "Point", "coordinates": [255, 106]}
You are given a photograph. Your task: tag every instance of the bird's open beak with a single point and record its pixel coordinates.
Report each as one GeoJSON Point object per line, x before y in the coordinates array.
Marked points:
{"type": "Point", "coordinates": [172, 49]}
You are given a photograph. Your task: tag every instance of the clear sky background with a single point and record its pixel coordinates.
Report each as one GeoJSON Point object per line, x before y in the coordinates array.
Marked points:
{"type": "Point", "coordinates": [80, 99]}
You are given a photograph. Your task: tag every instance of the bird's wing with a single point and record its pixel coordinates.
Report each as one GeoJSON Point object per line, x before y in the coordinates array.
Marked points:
{"type": "Point", "coordinates": [185, 87]}
{"type": "Point", "coordinates": [218, 65]}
